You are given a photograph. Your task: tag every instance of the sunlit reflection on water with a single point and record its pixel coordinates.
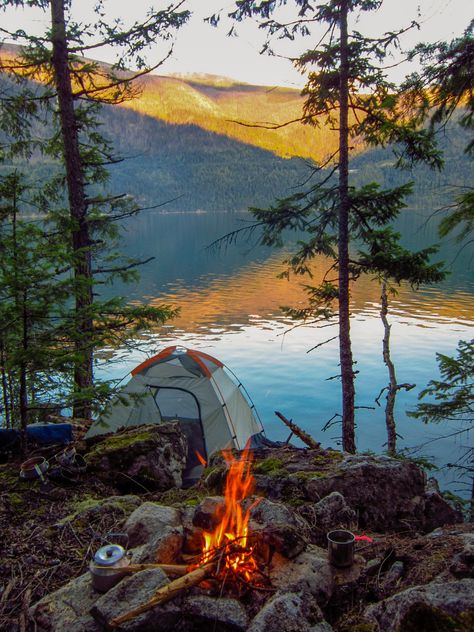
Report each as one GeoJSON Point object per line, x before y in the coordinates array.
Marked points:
{"type": "Point", "coordinates": [236, 315]}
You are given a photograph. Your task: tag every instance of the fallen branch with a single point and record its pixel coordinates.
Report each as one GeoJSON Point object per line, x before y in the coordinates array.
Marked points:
{"type": "Point", "coordinates": [304, 436]}
{"type": "Point", "coordinates": [165, 593]}
{"type": "Point", "coordinates": [169, 569]}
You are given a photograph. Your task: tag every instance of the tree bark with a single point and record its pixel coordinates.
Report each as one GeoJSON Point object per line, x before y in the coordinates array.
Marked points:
{"type": "Point", "coordinates": [392, 385]}
{"type": "Point", "coordinates": [347, 373]}
{"type": "Point", "coordinates": [83, 367]}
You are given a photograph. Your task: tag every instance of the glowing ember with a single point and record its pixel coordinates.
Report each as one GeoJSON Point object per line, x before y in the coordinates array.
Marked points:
{"type": "Point", "coordinates": [228, 544]}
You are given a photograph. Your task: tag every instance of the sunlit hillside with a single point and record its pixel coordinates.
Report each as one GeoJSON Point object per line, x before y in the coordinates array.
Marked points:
{"type": "Point", "coordinates": [219, 105]}
{"type": "Point", "coordinates": [243, 112]}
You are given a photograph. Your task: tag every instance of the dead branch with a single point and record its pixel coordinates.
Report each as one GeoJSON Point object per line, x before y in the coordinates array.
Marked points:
{"type": "Point", "coordinates": [169, 569]}
{"type": "Point", "coordinates": [299, 432]}
{"type": "Point", "coordinates": [165, 593]}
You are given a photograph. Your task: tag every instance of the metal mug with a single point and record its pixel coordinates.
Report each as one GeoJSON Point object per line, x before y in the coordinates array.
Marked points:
{"type": "Point", "coordinates": [341, 544]}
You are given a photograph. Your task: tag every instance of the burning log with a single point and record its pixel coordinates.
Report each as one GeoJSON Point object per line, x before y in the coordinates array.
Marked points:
{"type": "Point", "coordinates": [299, 432]}
{"type": "Point", "coordinates": [165, 593]}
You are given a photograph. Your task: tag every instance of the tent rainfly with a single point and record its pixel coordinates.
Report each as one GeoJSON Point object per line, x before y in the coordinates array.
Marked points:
{"type": "Point", "coordinates": [193, 388]}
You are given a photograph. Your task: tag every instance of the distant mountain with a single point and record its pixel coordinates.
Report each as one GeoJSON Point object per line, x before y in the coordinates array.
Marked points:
{"type": "Point", "coordinates": [183, 148]}
{"type": "Point", "coordinates": [236, 110]}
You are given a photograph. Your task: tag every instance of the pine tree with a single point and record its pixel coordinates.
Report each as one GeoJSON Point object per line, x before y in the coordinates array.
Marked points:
{"type": "Point", "coordinates": [348, 91]}
{"type": "Point", "coordinates": [71, 89]}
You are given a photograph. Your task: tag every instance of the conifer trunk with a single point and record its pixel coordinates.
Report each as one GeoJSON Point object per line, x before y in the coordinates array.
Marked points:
{"type": "Point", "coordinates": [347, 374]}
{"type": "Point", "coordinates": [83, 371]}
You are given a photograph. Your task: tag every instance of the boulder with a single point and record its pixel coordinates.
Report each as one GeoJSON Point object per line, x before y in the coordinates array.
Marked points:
{"type": "Point", "coordinates": [151, 457]}
{"type": "Point", "coordinates": [149, 521]}
{"type": "Point", "coordinates": [438, 512]}
{"type": "Point", "coordinates": [214, 613]}
{"type": "Point", "coordinates": [332, 512]}
{"type": "Point", "coordinates": [280, 526]}
{"type": "Point", "coordinates": [439, 605]}
{"type": "Point", "coordinates": [386, 493]}
{"type": "Point", "coordinates": [310, 572]}
{"type": "Point", "coordinates": [462, 564]}
{"type": "Point", "coordinates": [164, 548]}
{"type": "Point", "coordinates": [131, 592]}
{"type": "Point", "coordinates": [209, 513]}
{"type": "Point", "coordinates": [67, 608]}
{"type": "Point", "coordinates": [290, 612]}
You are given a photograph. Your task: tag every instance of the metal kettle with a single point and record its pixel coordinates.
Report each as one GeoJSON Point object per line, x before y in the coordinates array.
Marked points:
{"type": "Point", "coordinates": [107, 566]}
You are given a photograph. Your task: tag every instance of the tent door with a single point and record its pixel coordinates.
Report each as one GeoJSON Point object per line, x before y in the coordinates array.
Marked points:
{"type": "Point", "coordinates": [177, 403]}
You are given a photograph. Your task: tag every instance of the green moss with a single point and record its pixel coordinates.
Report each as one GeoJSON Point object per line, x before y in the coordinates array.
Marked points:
{"type": "Point", "coordinates": [8, 474]}
{"type": "Point", "coordinates": [15, 499]}
{"type": "Point", "coordinates": [178, 497]}
{"type": "Point", "coordinates": [118, 442]}
{"type": "Point", "coordinates": [424, 618]}
{"type": "Point", "coordinates": [304, 476]}
{"type": "Point", "coordinates": [270, 466]}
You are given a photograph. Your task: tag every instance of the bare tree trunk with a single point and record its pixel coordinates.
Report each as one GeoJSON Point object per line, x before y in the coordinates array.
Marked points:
{"type": "Point", "coordinates": [392, 385]}
{"type": "Point", "coordinates": [83, 370]}
{"type": "Point", "coordinates": [347, 373]}
{"type": "Point", "coordinates": [5, 390]}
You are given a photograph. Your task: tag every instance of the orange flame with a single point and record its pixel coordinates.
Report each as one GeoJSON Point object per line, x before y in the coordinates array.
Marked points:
{"type": "Point", "coordinates": [201, 459]}
{"type": "Point", "coordinates": [231, 534]}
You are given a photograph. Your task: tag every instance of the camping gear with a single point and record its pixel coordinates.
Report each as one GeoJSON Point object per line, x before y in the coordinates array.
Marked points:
{"type": "Point", "coordinates": [106, 568]}
{"type": "Point", "coordinates": [193, 388]}
{"type": "Point", "coordinates": [46, 433]}
{"type": "Point", "coordinates": [34, 468]}
{"type": "Point", "coordinates": [341, 548]}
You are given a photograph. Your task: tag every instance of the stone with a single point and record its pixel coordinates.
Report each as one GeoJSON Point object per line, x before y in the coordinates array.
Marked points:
{"type": "Point", "coordinates": [462, 564]}
{"type": "Point", "coordinates": [280, 527]}
{"type": "Point", "coordinates": [209, 513]}
{"type": "Point", "coordinates": [94, 509]}
{"type": "Point", "coordinates": [149, 457]}
{"type": "Point", "coordinates": [385, 493]}
{"type": "Point", "coordinates": [165, 548]}
{"type": "Point", "coordinates": [438, 512]}
{"type": "Point", "coordinates": [392, 577]}
{"type": "Point", "coordinates": [309, 572]}
{"type": "Point", "coordinates": [215, 613]}
{"type": "Point", "coordinates": [67, 608]}
{"type": "Point", "coordinates": [439, 605]}
{"type": "Point", "coordinates": [331, 512]}
{"type": "Point", "coordinates": [131, 592]}
{"type": "Point", "coordinates": [289, 612]}
{"type": "Point", "coordinates": [149, 521]}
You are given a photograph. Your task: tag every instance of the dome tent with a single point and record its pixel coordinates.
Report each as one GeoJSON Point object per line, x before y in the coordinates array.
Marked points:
{"type": "Point", "coordinates": [193, 388]}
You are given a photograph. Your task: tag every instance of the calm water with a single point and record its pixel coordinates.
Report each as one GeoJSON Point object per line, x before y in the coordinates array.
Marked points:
{"type": "Point", "coordinates": [230, 307]}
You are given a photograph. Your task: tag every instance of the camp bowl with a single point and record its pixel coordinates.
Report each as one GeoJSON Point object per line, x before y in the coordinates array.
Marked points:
{"type": "Point", "coordinates": [34, 467]}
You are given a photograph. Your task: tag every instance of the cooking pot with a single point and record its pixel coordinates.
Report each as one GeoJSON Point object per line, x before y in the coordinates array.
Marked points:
{"type": "Point", "coordinates": [107, 567]}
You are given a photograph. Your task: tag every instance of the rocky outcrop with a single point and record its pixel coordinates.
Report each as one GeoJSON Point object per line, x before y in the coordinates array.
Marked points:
{"type": "Point", "coordinates": [416, 577]}
{"type": "Point", "coordinates": [145, 458]}
{"type": "Point", "coordinates": [384, 493]}
{"type": "Point", "coordinates": [439, 605]}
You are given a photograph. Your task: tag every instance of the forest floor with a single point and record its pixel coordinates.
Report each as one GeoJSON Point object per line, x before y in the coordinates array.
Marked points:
{"type": "Point", "coordinates": [41, 551]}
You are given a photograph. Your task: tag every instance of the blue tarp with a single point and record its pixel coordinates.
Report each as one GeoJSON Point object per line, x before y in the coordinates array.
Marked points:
{"type": "Point", "coordinates": [39, 433]}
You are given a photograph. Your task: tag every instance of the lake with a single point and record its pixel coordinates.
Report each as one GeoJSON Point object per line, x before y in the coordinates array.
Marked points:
{"type": "Point", "coordinates": [230, 302]}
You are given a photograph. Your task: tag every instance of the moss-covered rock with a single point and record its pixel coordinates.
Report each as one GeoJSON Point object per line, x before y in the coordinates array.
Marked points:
{"type": "Point", "coordinates": [147, 457]}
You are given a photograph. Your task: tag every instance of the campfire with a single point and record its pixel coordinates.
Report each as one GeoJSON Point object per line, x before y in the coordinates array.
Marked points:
{"type": "Point", "coordinates": [228, 546]}
{"type": "Point", "coordinates": [228, 552]}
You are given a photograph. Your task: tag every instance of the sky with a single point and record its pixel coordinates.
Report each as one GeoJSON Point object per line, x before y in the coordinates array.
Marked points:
{"type": "Point", "coordinates": [201, 48]}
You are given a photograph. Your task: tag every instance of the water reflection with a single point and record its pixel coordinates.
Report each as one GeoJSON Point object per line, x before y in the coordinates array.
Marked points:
{"type": "Point", "coordinates": [230, 303]}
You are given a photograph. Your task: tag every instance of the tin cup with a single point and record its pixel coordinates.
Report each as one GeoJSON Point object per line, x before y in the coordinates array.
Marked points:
{"type": "Point", "coordinates": [341, 548]}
